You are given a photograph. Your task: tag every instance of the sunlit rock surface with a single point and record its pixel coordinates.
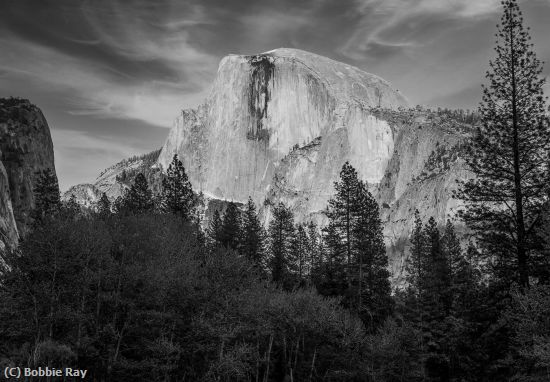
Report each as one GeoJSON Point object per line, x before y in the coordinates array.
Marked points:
{"type": "Point", "coordinates": [279, 126]}
{"type": "Point", "coordinates": [8, 227]}
{"type": "Point", "coordinates": [261, 107]}
{"type": "Point", "coordinates": [422, 174]}
{"type": "Point", "coordinates": [26, 147]}
{"type": "Point", "coordinates": [114, 180]}
{"type": "Point", "coordinates": [87, 195]}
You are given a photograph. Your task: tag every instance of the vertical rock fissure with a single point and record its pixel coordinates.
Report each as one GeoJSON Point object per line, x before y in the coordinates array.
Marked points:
{"type": "Point", "coordinates": [259, 95]}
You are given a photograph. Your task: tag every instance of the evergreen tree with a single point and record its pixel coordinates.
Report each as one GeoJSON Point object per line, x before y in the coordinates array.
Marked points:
{"type": "Point", "coordinates": [464, 282]}
{"type": "Point", "coordinates": [136, 200]}
{"type": "Point", "coordinates": [436, 300]}
{"type": "Point", "coordinates": [431, 304]}
{"type": "Point", "coordinates": [231, 227]}
{"type": "Point", "coordinates": [177, 193]}
{"type": "Point", "coordinates": [331, 279]}
{"type": "Point", "coordinates": [299, 253]}
{"type": "Point", "coordinates": [314, 249]}
{"type": "Point", "coordinates": [341, 212]}
{"type": "Point", "coordinates": [71, 207]}
{"type": "Point", "coordinates": [104, 206]}
{"type": "Point", "coordinates": [119, 203]}
{"type": "Point", "coordinates": [417, 258]}
{"type": "Point", "coordinates": [372, 276]}
{"type": "Point", "coordinates": [354, 236]}
{"type": "Point", "coordinates": [47, 199]}
{"type": "Point", "coordinates": [509, 153]}
{"type": "Point", "coordinates": [215, 229]}
{"type": "Point", "coordinates": [542, 257]}
{"type": "Point", "coordinates": [460, 270]}
{"type": "Point", "coordinates": [252, 235]}
{"type": "Point", "coordinates": [416, 279]}
{"type": "Point", "coordinates": [280, 233]}
{"type": "Point", "coordinates": [451, 247]}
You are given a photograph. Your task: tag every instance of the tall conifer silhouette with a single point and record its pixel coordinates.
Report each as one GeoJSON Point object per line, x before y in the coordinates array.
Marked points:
{"type": "Point", "coordinates": [509, 153]}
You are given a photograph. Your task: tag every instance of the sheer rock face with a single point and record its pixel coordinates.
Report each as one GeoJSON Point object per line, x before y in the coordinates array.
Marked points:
{"type": "Point", "coordinates": [261, 107]}
{"type": "Point", "coordinates": [421, 175]}
{"type": "Point", "coordinates": [26, 147]}
{"type": "Point", "coordinates": [279, 126]}
{"type": "Point", "coordinates": [8, 227]}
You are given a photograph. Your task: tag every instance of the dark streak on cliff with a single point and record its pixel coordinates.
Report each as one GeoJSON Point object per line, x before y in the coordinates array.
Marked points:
{"type": "Point", "coordinates": [261, 75]}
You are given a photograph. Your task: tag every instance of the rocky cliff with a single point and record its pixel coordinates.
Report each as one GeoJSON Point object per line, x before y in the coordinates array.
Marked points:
{"type": "Point", "coordinates": [278, 126]}
{"type": "Point", "coordinates": [115, 179]}
{"type": "Point", "coordinates": [8, 226]}
{"type": "Point", "coordinates": [262, 107]}
{"type": "Point", "coordinates": [26, 147]}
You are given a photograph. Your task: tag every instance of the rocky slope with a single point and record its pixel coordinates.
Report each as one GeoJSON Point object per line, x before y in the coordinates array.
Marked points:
{"type": "Point", "coordinates": [26, 147]}
{"type": "Point", "coordinates": [278, 127]}
{"type": "Point", "coordinates": [115, 179]}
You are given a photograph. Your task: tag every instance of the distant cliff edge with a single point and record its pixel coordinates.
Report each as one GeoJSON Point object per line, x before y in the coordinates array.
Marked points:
{"type": "Point", "coordinates": [25, 148]}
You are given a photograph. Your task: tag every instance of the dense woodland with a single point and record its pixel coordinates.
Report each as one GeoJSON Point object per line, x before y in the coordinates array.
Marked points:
{"type": "Point", "coordinates": [140, 290]}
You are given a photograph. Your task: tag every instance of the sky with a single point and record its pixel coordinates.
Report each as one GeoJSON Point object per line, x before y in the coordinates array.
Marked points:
{"type": "Point", "coordinates": [112, 75]}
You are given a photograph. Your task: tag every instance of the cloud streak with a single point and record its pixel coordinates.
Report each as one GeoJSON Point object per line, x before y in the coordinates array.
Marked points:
{"type": "Point", "coordinates": [403, 24]}
{"type": "Point", "coordinates": [115, 68]}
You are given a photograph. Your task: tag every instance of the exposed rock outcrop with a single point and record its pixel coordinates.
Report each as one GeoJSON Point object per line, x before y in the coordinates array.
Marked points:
{"type": "Point", "coordinates": [87, 195]}
{"type": "Point", "coordinates": [8, 226]}
{"type": "Point", "coordinates": [278, 127]}
{"type": "Point", "coordinates": [261, 107]}
{"type": "Point", "coordinates": [115, 179]}
{"type": "Point", "coordinates": [26, 147]}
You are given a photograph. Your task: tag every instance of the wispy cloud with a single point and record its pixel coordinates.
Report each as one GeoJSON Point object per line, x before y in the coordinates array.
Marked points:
{"type": "Point", "coordinates": [94, 92]}
{"type": "Point", "coordinates": [402, 24]}
{"type": "Point", "coordinates": [128, 66]}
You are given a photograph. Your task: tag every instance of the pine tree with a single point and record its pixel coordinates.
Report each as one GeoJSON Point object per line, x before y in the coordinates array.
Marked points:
{"type": "Point", "coordinates": [457, 264]}
{"type": "Point", "coordinates": [509, 153]}
{"type": "Point", "coordinates": [314, 249]}
{"type": "Point", "coordinates": [437, 277]}
{"type": "Point", "coordinates": [416, 261]}
{"type": "Point", "coordinates": [354, 234]}
{"type": "Point", "coordinates": [177, 194]}
{"type": "Point", "coordinates": [331, 277]}
{"type": "Point", "coordinates": [464, 282]}
{"type": "Point", "coordinates": [138, 199]}
{"type": "Point", "coordinates": [372, 276]}
{"type": "Point", "coordinates": [341, 213]}
{"type": "Point", "coordinates": [215, 229]}
{"type": "Point", "coordinates": [434, 304]}
{"type": "Point", "coordinates": [71, 207]}
{"type": "Point", "coordinates": [231, 227]}
{"type": "Point", "coordinates": [104, 206]}
{"type": "Point", "coordinates": [280, 233]}
{"type": "Point", "coordinates": [119, 203]}
{"type": "Point", "coordinates": [47, 199]}
{"type": "Point", "coordinates": [299, 253]}
{"type": "Point", "coordinates": [252, 235]}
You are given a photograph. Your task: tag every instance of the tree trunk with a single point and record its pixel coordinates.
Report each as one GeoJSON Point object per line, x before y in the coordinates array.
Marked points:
{"type": "Point", "coordinates": [520, 229]}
